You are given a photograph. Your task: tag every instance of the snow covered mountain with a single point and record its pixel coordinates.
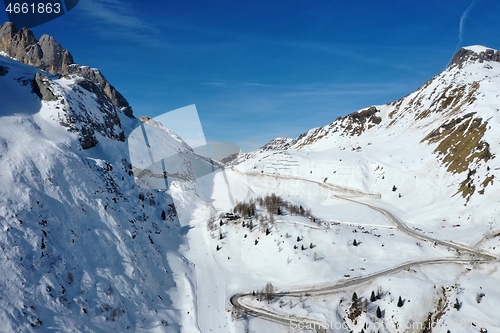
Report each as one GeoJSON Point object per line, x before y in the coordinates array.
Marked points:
{"type": "Point", "coordinates": [48, 55]}
{"type": "Point", "coordinates": [433, 148]}
{"type": "Point", "coordinates": [431, 159]}
{"type": "Point", "coordinates": [83, 248]}
{"type": "Point", "coordinates": [386, 197]}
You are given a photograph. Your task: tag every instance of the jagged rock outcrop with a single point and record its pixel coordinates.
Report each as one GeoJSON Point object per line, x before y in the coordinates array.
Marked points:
{"type": "Point", "coordinates": [83, 120]}
{"type": "Point", "coordinates": [41, 87]}
{"type": "Point", "coordinates": [278, 143]}
{"type": "Point", "coordinates": [7, 32]}
{"type": "Point", "coordinates": [87, 138]}
{"type": "Point", "coordinates": [55, 59]}
{"type": "Point", "coordinates": [48, 55]}
{"type": "Point", "coordinates": [357, 122]}
{"type": "Point", "coordinates": [96, 76]}
{"type": "Point", "coordinates": [474, 55]}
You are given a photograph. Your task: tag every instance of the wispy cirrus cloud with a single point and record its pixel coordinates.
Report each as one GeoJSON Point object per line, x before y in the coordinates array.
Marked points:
{"type": "Point", "coordinates": [258, 114]}
{"type": "Point", "coordinates": [309, 89]}
{"type": "Point", "coordinates": [117, 19]}
{"type": "Point", "coordinates": [352, 52]}
{"type": "Point", "coordinates": [236, 84]}
{"type": "Point", "coordinates": [214, 84]}
{"type": "Point", "coordinates": [343, 89]}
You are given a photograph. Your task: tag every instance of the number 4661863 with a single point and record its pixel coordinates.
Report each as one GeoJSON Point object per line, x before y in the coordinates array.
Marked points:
{"type": "Point", "coordinates": [33, 8]}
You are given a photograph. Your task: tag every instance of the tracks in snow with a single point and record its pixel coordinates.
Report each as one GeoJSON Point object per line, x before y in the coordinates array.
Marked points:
{"type": "Point", "coordinates": [474, 257]}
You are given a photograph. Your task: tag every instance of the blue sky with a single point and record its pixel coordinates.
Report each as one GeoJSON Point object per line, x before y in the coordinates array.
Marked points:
{"type": "Point", "coordinates": [256, 69]}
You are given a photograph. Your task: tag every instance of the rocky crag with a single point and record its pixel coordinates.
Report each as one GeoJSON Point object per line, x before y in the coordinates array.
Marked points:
{"type": "Point", "coordinates": [48, 55]}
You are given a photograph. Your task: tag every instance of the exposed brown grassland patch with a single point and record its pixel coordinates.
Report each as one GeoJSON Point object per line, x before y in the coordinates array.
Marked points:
{"type": "Point", "coordinates": [460, 144]}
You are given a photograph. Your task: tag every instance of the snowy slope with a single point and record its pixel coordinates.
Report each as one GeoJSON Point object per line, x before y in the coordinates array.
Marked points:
{"type": "Point", "coordinates": [429, 159]}
{"type": "Point", "coordinates": [84, 249]}
{"type": "Point", "coordinates": [94, 238]}
{"type": "Point", "coordinates": [429, 151]}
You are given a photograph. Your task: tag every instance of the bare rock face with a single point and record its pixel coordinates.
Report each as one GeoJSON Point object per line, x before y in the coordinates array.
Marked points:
{"type": "Point", "coordinates": [55, 59]}
{"type": "Point", "coordinates": [277, 144]}
{"type": "Point", "coordinates": [96, 76]}
{"type": "Point", "coordinates": [90, 121]}
{"type": "Point", "coordinates": [87, 138]}
{"type": "Point", "coordinates": [7, 32]}
{"type": "Point", "coordinates": [465, 54]}
{"type": "Point", "coordinates": [41, 87]}
{"type": "Point", "coordinates": [21, 41]}
{"type": "Point", "coordinates": [48, 55]}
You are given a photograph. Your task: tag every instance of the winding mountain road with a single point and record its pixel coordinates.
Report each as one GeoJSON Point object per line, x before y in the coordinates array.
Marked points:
{"type": "Point", "coordinates": [474, 258]}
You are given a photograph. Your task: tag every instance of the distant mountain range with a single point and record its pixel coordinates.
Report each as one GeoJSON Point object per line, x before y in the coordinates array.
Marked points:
{"type": "Point", "coordinates": [451, 120]}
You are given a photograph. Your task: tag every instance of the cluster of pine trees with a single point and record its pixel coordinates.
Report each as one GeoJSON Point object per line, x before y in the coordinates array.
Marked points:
{"type": "Point", "coordinates": [360, 304]}
{"type": "Point", "coordinates": [273, 204]}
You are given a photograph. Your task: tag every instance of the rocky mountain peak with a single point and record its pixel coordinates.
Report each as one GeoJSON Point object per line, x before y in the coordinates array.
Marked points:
{"type": "Point", "coordinates": [7, 30]}
{"type": "Point", "coordinates": [24, 38]}
{"type": "Point", "coordinates": [54, 57]}
{"type": "Point", "coordinates": [278, 143]}
{"type": "Point", "coordinates": [48, 55]}
{"type": "Point", "coordinates": [476, 53]}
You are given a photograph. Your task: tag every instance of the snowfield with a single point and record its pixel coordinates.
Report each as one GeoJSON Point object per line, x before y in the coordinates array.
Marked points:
{"type": "Point", "coordinates": [408, 159]}
{"type": "Point", "coordinates": [83, 248]}
{"type": "Point", "coordinates": [248, 260]}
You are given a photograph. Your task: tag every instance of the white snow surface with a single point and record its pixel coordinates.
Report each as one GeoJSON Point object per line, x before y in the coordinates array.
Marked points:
{"type": "Point", "coordinates": [391, 160]}
{"type": "Point", "coordinates": [477, 48]}
{"type": "Point", "coordinates": [81, 251]}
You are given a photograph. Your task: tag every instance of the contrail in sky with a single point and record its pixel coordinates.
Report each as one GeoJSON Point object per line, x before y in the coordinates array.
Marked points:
{"type": "Point", "coordinates": [461, 27]}
{"type": "Point", "coordinates": [463, 18]}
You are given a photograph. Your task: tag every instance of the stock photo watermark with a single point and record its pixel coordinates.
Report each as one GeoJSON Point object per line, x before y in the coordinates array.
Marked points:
{"type": "Point", "coordinates": [29, 13]}
{"type": "Point", "coordinates": [314, 326]}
